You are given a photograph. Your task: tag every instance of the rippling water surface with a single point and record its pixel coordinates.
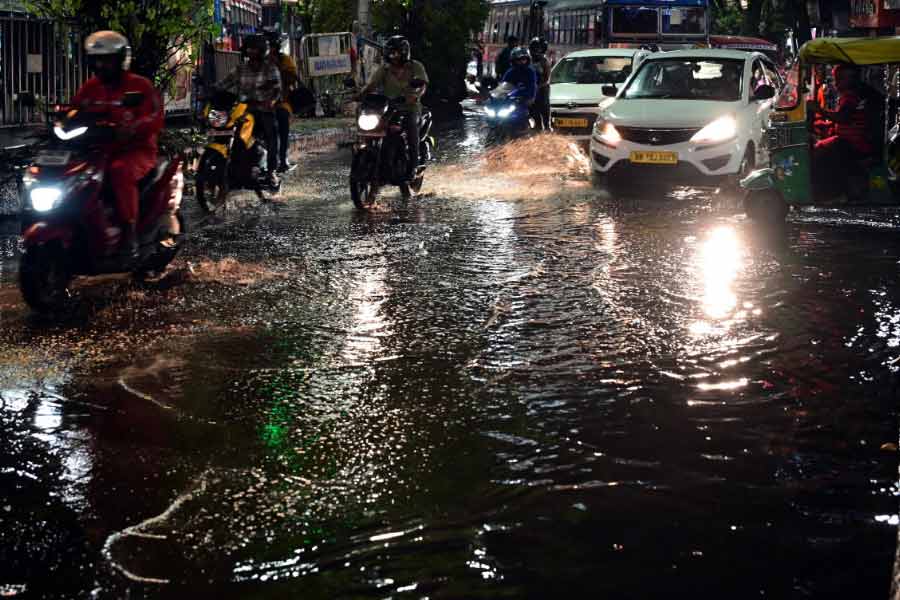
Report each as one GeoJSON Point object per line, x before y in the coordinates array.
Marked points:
{"type": "Point", "coordinates": [513, 386]}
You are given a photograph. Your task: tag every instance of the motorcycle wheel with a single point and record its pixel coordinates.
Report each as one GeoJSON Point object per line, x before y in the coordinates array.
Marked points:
{"type": "Point", "coordinates": [44, 278]}
{"type": "Point", "coordinates": [212, 181]}
{"type": "Point", "coordinates": [362, 190]}
{"type": "Point", "coordinates": [168, 247]}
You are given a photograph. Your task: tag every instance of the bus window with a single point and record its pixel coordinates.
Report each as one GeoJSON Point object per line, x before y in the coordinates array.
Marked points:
{"type": "Point", "coordinates": [683, 21]}
{"type": "Point", "coordinates": [634, 20]}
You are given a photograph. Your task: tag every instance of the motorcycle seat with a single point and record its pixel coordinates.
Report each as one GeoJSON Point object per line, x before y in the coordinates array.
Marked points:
{"type": "Point", "coordinates": [145, 184]}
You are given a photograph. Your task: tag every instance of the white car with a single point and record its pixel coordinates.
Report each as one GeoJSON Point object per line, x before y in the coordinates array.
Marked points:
{"type": "Point", "coordinates": [576, 86]}
{"type": "Point", "coordinates": [690, 116]}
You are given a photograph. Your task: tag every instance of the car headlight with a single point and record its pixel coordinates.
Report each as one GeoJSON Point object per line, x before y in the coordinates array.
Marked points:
{"type": "Point", "coordinates": [608, 134]}
{"type": "Point", "coordinates": [44, 199]}
{"type": "Point", "coordinates": [505, 111]}
{"type": "Point", "coordinates": [720, 130]}
{"type": "Point", "coordinates": [68, 135]}
{"type": "Point", "coordinates": [368, 121]}
{"type": "Point", "coordinates": [217, 118]}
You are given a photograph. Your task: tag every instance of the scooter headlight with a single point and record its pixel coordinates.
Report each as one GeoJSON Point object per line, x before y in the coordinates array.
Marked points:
{"type": "Point", "coordinates": [368, 121]}
{"type": "Point", "coordinates": [506, 111]}
{"type": "Point", "coordinates": [490, 112]}
{"type": "Point", "coordinates": [44, 199]}
{"type": "Point", "coordinates": [68, 135]}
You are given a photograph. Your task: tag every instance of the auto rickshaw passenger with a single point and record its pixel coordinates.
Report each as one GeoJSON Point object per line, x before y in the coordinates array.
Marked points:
{"type": "Point", "coordinates": [837, 156]}
{"type": "Point", "coordinates": [822, 126]}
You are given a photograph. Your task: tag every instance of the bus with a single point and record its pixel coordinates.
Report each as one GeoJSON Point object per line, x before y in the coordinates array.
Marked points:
{"type": "Point", "coordinates": [570, 25]}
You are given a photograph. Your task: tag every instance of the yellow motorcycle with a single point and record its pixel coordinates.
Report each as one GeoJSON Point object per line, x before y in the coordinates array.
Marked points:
{"type": "Point", "coordinates": [233, 158]}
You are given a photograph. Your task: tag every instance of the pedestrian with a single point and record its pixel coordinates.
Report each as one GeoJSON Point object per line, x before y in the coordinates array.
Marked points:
{"type": "Point", "coordinates": [541, 108]}
{"type": "Point", "coordinates": [502, 64]}
{"type": "Point", "coordinates": [287, 69]}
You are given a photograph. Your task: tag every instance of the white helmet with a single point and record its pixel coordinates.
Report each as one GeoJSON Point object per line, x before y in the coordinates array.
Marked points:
{"type": "Point", "coordinates": [109, 43]}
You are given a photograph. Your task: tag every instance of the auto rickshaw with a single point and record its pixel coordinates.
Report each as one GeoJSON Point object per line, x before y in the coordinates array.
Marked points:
{"type": "Point", "coordinates": [790, 135]}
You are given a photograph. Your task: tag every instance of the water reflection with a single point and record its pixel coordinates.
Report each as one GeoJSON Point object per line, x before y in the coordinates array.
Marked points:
{"type": "Point", "coordinates": [721, 258]}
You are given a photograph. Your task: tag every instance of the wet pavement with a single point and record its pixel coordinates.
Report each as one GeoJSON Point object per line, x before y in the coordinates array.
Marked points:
{"type": "Point", "coordinates": [513, 386]}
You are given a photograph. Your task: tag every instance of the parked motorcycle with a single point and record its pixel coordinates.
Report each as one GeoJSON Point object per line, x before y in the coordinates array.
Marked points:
{"type": "Point", "coordinates": [507, 112]}
{"type": "Point", "coordinates": [233, 158]}
{"type": "Point", "coordinates": [381, 154]}
{"type": "Point", "coordinates": [69, 201]}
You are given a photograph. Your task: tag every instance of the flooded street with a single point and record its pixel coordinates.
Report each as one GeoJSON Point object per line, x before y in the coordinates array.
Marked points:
{"type": "Point", "coordinates": [513, 386]}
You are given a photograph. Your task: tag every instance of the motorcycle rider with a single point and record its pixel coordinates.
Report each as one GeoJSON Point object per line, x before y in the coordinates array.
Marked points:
{"type": "Point", "coordinates": [287, 68]}
{"type": "Point", "coordinates": [503, 62]}
{"type": "Point", "coordinates": [259, 81]}
{"type": "Point", "coordinates": [133, 153]}
{"type": "Point", "coordinates": [541, 109]}
{"type": "Point", "coordinates": [394, 78]}
{"type": "Point", "coordinates": [522, 75]}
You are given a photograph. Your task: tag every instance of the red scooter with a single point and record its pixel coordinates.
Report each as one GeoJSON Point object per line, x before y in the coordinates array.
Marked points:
{"type": "Point", "coordinates": [68, 208]}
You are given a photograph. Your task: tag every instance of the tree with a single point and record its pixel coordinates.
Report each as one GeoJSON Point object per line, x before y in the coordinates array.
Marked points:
{"type": "Point", "coordinates": [165, 35]}
{"type": "Point", "coordinates": [440, 33]}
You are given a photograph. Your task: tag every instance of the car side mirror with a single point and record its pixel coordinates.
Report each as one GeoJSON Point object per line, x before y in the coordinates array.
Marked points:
{"type": "Point", "coordinates": [132, 99]}
{"type": "Point", "coordinates": [609, 90]}
{"type": "Point", "coordinates": [764, 92]}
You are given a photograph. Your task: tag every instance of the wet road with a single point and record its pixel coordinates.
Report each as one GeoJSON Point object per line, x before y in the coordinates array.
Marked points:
{"type": "Point", "coordinates": [513, 386]}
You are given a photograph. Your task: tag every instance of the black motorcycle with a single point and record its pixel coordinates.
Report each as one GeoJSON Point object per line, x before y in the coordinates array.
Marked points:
{"type": "Point", "coordinates": [381, 154]}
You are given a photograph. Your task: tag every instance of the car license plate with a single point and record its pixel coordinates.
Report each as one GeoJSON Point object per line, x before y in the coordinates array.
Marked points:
{"type": "Point", "coordinates": [654, 158]}
{"type": "Point", "coordinates": [52, 158]}
{"type": "Point", "coordinates": [562, 122]}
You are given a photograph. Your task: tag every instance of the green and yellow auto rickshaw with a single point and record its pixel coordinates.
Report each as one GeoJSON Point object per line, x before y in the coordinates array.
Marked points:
{"type": "Point", "coordinates": [792, 132]}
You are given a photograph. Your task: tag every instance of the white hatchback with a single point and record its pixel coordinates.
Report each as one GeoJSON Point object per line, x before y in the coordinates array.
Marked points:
{"type": "Point", "coordinates": [690, 116]}
{"type": "Point", "coordinates": [576, 86]}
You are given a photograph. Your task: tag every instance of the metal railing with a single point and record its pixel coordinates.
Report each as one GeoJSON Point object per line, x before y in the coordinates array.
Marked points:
{"type": "Point", "coordinates": [41, 63]}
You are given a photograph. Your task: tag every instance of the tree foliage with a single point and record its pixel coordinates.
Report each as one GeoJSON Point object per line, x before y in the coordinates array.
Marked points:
{"type": "Point", "coordinates": [766, 18]}
{"type": "Point", "coordinates": [164, 34]}
{"type": "Point", "coordinates": [440, 32]}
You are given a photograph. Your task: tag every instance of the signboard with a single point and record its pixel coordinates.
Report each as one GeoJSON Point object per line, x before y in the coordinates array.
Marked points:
{"type": "Point", "coordinates": [329, 45]}
{"type": "Point", "coordinates": [329, 65]}
{"type": "Point", "coordinates": [874, 14]}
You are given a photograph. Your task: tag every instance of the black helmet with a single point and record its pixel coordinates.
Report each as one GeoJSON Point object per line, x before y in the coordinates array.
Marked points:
{"type": "Point", "coordinates": [538, 46]}
{"type": "Point", "coordinates": [518, 54]}
{"type": "Point", "coordinates": [256, 41]}
{"type": "Point", "coordinates": [274, 37]}
{"type": "Point", "coordinates": [397, 43]}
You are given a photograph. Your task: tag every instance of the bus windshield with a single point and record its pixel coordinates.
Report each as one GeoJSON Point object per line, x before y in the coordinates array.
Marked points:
{"type": "Point", "coordinates": [603, 70]}
{"type": "Point", "coordinates": [688, 79]}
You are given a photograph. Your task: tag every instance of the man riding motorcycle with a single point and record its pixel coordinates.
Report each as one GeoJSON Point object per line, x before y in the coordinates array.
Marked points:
{"type": "Point", "coordinates": [259, 81]}
{"type": "Point", "coordinates": [287, 68]}
{"type": "Point", "coordinates": [394, 78]}
{"type": "Point", "coordinates": [521, 74]}
{"type": "Point", "coordinates": [541, 66]}
{"type": "Point", "coordinates": [135, 148]}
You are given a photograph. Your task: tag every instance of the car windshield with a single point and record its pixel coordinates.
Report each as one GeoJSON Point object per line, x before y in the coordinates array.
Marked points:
{"type": "Point", "coordinates": [688, 79]}
{"type": "Point", "coordinates": [604, 70]}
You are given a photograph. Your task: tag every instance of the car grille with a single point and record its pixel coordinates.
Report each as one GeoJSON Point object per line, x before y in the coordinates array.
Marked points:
{"type": "Point", "coordinates": [591, 117]}
{"type": "Point", "coordinates": [656, 137]}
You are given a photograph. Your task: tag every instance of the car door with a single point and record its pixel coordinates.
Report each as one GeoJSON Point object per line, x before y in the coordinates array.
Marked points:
{"type": "Point", "coordinates": [760, 75]}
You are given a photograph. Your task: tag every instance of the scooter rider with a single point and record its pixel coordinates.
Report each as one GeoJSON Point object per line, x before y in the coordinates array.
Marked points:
{"type": "Point", "coordinates": [133, 153]}
{"type": "Point", "coordinates": [259, 81]}
{"type": "Point", "coordinates": [395, 78]}
{"type": "Point", "coordinates": [541, 66]}
{"type": "Point", "coordinates": [287, 68]}
{"type": "Point", "coordinates": [522, 75]}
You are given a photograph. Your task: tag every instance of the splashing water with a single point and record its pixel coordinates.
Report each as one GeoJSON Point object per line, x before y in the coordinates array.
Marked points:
{"type": "Point", "coordinates": [230, 271]}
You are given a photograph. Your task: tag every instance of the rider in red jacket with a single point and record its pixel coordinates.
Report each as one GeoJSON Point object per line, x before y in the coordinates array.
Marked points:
{"type": "Point", "coordinates": [133, 153]}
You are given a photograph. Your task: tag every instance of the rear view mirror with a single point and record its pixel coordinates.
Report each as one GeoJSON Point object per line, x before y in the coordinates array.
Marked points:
{"type": "Point", "coordinates": [132, 99]}
{"type": "Point", "coordinates": [609, 90]}
{"type": "Point", "coordinates": [764, 92]}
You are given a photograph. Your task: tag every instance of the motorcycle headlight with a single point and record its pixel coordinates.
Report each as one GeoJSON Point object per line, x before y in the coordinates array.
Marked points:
{"type": "Point", "coordinates": [490, 112]}
{"type": "Point", "coordinates": [45, 199]}
{"type": "Point", "coordinates": [720, 130]}
{"type": "Point", "coordinates": [608, 134]}
{"type": "Point", "coordinates": [68, 135]}
{"type": "Point", "coordinates": [217, 118]}
{"type": "Point", "coordinates": [368, 121]}
{"type": "Point", "coordinates": [506, 111]}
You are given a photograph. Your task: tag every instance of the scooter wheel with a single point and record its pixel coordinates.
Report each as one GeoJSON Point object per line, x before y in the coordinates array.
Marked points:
{"type": "Point", "coordinates": [44, 278]}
